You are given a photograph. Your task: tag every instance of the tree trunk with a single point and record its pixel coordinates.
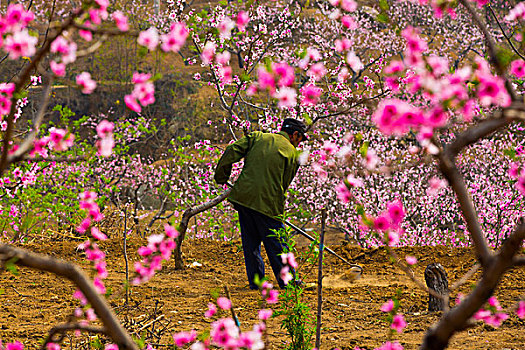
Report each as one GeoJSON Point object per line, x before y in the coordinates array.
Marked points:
{"type": "Point", "coordinates": [436, 279]}
{"type": "Point", "coordinates": [183, 226]}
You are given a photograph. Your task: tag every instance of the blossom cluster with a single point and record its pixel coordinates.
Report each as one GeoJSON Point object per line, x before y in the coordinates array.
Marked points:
{"type": "Point", "coordinates": [15, 38]}
{"type": "Point", "coordinates": [92, 251]}
{"type": "Point", "coordinates": [398, 321]}
{"type": "Point", "coordinates": [444, 92]}
{"type": "Point", "coordinates": [517, 173]}
{"type": "Point", "coordinates": [143, 92]}
{"type": "Point", "coordinates": [87, 203]}
{"type": "Point", "coordinates": [388, 222]}
{"type": "Point", "coordinates": [159, 248]}
{"type": "Point", "coordinates": [221, 59]}
{"type": "Point", "coordinates": [172, 41]}
{"type": "Point", "coordinates": [289, 262]}
{"type": "Point", "coordinates": [85, 81]}
{"type": "Point", "coordinates": [106, 142]}
{"type": "Point", "coordinates": [66, 51]}
{"type": "Point", "coordinates": [342, 8]}
{"type": "Point", "coordinates": [6, 93]}
{"type": "Point", "coordinates": [144, 89]}
{"type": "Point", "coordinates": [58, 140]}
{"type": "Point", "coordinates": [277, 79]}
{"type": "Point", "coordinates": [225, 332]}
{"type": "Point", "coordinates": [517, 13]}
{"type": "Point", "coordinates": [93, 254]}
{"type": "Point", "coordinates": [492, 315]}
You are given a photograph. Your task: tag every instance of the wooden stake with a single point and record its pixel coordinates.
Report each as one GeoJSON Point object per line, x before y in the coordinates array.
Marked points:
{"type": "Point", "coordinates": [320, 281]}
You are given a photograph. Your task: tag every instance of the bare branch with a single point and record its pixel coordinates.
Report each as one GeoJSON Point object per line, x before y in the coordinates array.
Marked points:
{"type": "Point", "coordinates": [505, 34]}
{"type": "Point", "coordinates": [410, 273]}
{"type": "Point", "coordinates": [107, 31]}
{"type": "Point", "coordinates": [65, 159]}
{"type": "Point", "coordinates": [455, 179]}
{"type": "Point", "coordinates": [475, 133]}
{"type": "Point", "coordinates": [93, 47]}
{"type": "Point", "coordinates": [465, 277]}
{"type": "Point", "coordinates": [63, 328]}
{"type": "Point", "coordinates": [252, 105]}
{"type": "Point", "coordinates": [188, 214]}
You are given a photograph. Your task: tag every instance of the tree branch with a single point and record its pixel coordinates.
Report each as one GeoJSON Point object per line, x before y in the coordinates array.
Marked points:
{"type": "Point", "coordinates": [519, 260]}
{"type": "Point", "coordinates": [438, 336]}
{"type": "Point", "coordinates": [28, 142]}
{"type": "Point", "coordinates": [183, 226]}
{"type": "Point", "coordinates": [61, 329]}
{"type": "Point", "coordinates": [73, 273]}
{"type": "Point", "coordinates": [505, 34]}
{"type": "Point", "coordinates": [456, 181]}
{"type": "Point", "coordinates": [19, 85]}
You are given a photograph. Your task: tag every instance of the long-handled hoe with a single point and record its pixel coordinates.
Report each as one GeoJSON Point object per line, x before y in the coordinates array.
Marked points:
{"type": "Point", "coordinates": [355, 270]}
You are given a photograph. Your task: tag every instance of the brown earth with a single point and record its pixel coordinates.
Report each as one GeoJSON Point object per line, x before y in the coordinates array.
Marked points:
{"type": "Point", "coordinates": [32, 302]}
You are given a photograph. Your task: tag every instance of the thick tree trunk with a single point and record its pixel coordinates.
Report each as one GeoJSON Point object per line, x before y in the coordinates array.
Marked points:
{"type": "Point", "coordinates": [183, 226]}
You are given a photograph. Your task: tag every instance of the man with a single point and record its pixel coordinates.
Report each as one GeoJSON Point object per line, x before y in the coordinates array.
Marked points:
{"type": "Point", "coordinates": [270, 164]}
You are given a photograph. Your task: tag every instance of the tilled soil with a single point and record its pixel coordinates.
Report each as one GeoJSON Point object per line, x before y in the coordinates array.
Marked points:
{"type": "Point", "coordinates": [32, 302]}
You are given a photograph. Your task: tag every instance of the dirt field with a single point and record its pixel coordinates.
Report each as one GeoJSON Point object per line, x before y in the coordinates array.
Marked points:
{"type": "Point", "coordinates": [32, 302]}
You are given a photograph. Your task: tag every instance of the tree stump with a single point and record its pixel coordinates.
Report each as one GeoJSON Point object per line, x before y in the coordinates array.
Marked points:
{"type": "Point", "coordinates": [436, 279]}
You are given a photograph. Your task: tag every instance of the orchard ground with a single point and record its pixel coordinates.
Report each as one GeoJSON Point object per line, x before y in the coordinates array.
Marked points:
{"type": "Point", "coordinates": [33, 302]}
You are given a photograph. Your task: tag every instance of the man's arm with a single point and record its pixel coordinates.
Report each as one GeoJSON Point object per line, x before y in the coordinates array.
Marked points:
{"type": "Point", "coordinates": [291, 169]}
{"type": "Point", "coordinates": [233, 153]}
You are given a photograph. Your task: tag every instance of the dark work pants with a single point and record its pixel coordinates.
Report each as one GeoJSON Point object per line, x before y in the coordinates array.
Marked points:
{"type": "Point", "coordinates": [257, 228]}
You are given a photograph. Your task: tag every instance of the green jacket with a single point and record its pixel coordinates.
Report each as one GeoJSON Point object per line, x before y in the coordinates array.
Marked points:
{"type": "Point", "coordinates": [270, 164]}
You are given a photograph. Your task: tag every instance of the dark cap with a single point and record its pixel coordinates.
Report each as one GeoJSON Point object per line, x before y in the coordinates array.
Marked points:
{"type": "Point", "coordinates": [291, 125]}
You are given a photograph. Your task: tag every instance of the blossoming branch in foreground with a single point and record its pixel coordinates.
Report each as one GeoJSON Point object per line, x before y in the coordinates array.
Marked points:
{"type": "Point", "coordinates": [492, 314]}
{"type": "Point", "coordinates": [224, 332]}
{"type": "Point", "coordinates": [159, 248]}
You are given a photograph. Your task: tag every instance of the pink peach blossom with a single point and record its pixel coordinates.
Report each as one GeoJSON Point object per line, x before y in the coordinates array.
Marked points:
{"type": "Point", "coordinates": [310, 94]}
{"type": "Point", "coordinates": [149, 38]}
{"type": "Point", "coordinates": [520, 311]}
{"type": "Point", "coordinates": [224, 303]}
{"type": "Point", "coordinates": [183, 338]}
{"type": "Point", "coordinates": [287, 97]}
{"type": "Point", "coordinates": [59, 69]}
{"type": "Point", "coordinates": [225, 28]}
{"type": "Point", "coordinates": [398, 323]}
{"type": "Point", "coordinates": [21, 43]}
{"type": "Point", "coordinates": [212, 309]}
{"type": "Point", "coordinates": [208, 52]}
{"type": "Point", "coordinates": [87, 84]}
{"type": "Point", "coordinates": [121, 21]}
{"type": "Point", "coordinates": [517, 68]}
{"type": "Point", "coordinates": [388, 306]}
{"type": "Point", "coordinates": [411, 260]}
{"type": "Point", "coordinates": [242, 20]}
{"type": "Point", "coordinates": [265, 314]}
